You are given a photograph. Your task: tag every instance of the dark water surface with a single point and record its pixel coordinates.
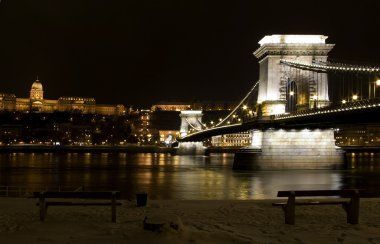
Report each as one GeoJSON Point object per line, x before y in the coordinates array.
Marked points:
{"type": "Point", "coordinates": [165, 176]}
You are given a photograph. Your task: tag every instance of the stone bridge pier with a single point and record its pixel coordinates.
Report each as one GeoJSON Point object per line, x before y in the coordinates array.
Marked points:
{"type": "Point", "coordinates": [274, 149]}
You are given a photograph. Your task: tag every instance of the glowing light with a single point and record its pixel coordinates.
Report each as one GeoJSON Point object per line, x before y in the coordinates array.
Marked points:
{"type": "Point", "coordinates": [344, 101]}
{"type": "Point", "coordinates": [354, 97]}
{"type": "Point", "coordinates": [378, 82]}
{"type": "Point", "coordinates": [192, 112]}
{"type": "Point", "coordinates": [272, 96]}
{"type": "Point", "coordinates": [277, 109]}
{"type": "Point", "coordinates": [291, 93]}
{"type": "Point", "coordinates": [293, 39]}
{"type": "Point", "coordinates": [245, 106]}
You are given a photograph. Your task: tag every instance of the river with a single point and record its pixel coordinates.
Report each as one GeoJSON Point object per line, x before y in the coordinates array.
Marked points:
{"type": "Point", "coordinates": [166, 176]}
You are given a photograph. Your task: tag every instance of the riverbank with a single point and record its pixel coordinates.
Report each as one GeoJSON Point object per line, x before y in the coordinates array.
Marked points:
{"type": "Point", "coordinates": [214, 221]}
{"type": "Point", "coordinates": [131, 148]}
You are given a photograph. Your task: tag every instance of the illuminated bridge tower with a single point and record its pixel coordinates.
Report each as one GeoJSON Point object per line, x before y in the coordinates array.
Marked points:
{"type": "Point", "coordinates": [190, 120]}
{"type": "Point", "coordinates": [284, 89]}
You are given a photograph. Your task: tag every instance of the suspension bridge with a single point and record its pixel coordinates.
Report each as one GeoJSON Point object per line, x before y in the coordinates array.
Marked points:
{"type": "Point", "coordinates": [293, 109]}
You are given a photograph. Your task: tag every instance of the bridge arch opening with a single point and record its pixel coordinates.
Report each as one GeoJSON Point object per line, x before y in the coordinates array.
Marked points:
{"type": "Point", "coordinates": [291, 96]}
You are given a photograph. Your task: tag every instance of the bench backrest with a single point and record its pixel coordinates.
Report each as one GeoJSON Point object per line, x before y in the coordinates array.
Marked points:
{"type": "Point", "coordinates": [321, 193]}
{"type": "Point", "coordinates": [77, 194]}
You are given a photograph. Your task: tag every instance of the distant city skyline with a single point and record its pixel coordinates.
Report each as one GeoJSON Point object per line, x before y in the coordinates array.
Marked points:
{"type": "Point", "coordinates": [143, 52]}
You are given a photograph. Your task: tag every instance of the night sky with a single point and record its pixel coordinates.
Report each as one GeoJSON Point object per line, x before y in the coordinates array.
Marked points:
{"type": "Point", "coordinates": [138, 52]}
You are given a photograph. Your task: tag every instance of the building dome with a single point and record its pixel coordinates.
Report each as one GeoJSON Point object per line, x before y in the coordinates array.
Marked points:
{"type": "Point", "coordinates": [36, 92]}
{"type": "Point", "coordinates": [37, 85]}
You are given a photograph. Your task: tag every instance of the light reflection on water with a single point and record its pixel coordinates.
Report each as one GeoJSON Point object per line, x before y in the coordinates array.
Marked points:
{"type": "Point", "coordinates": [166, 176]}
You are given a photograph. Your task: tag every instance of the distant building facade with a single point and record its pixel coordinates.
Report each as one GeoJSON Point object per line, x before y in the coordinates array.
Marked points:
{"type": "Point", "coordinates": [204, 106]}
{"type": "Point", "coordinates": [213, 106]}
{"type": "Point", "coordinates": [37, 103]}
{"type": "Point", "coordinates": [241, 139]}
{"type": "Point", "coordinates": [366, 135]}
{"type": "Point", "coordinates": [170, 106]}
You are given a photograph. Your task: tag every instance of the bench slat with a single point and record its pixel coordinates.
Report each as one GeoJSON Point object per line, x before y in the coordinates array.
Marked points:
{"type": "Point", "coordinates": [78, 194]}
{"type": "Point", "coordinates": [79, 204]}
{"type": "Point", "coordinates": [312, 203]}
{"type": "Point", "coordinates": [316, 193]}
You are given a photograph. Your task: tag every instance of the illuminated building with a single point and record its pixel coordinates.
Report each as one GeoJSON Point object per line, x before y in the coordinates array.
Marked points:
{"type": "Point", "coordinates": [170, 106]}
{"type": "Point", "coordinates": [144, 133]}
{"type": "Point", "coordinates": [204, 106]}
{"type": "Point", "coordinates": [241, 139]}
{"type": "Point", "coordinates": [7, 101]}
{"type": "Point", "coordinates": [366, 135]}
{"type": "Point", "coordinates": [37, 103]}
{"type": "Point", "coordinates": [213, 105]}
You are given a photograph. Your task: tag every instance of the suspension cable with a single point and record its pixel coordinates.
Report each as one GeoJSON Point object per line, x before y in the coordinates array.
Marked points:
{"type": "Point", "coordinates": [241, 102]}
{"type": "Point", "coordinates": [192, 126]}
{"type": "Point", "coordinates": [325, 66]}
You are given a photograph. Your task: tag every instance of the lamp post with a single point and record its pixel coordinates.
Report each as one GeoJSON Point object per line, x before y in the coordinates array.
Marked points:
{"type": "Point", "coordinates": [291, 100]}
{"type": "Point", "coordinates": [375, 84]}
{"type": "Point", "coordinates": [315, 98]}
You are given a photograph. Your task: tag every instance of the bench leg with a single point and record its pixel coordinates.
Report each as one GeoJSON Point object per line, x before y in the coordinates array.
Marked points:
{"type": "Point", "coordinates": [289, 210]}
{"type": "Point", "coordinates": [353, 210]}
{"type": "Point", "coordinates": [113, 206]}
{"type": "Point", "coordinates": [43, 209]}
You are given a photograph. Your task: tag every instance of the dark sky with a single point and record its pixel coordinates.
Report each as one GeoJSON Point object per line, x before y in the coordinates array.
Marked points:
{"type": "Point", "coordinates": [141, 52]}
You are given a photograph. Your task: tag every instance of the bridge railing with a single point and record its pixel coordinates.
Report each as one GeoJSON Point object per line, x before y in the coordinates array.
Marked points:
{"type": "Point", "coordinates": [359, 104]}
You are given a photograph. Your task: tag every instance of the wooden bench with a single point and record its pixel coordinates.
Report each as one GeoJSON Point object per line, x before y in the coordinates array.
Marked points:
{"type": "Point", "coordinates": [351, 205]}
{"type": "Point", "coordinates": [43, 203]}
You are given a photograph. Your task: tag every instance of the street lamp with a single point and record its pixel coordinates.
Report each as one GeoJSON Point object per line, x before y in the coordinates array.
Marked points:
{"type": "Point", "coordinates": [315, 98]}
{"type": "Point", "coordinates": [290, 102]}
{"type": "Point", "coordinates": [375, 84]}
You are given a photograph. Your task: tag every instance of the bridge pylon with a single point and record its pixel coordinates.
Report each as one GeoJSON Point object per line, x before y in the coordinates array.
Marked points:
{"type": "Point", "coordinates": [285, 89]}
{"type": "Point", "coordinates": [190, 120]}
{"type": "Point", "coordinates": [282, 87]}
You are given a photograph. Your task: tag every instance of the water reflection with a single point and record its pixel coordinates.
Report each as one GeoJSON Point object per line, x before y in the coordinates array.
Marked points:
{"type": "Point", "coordinates": [166, 176]}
